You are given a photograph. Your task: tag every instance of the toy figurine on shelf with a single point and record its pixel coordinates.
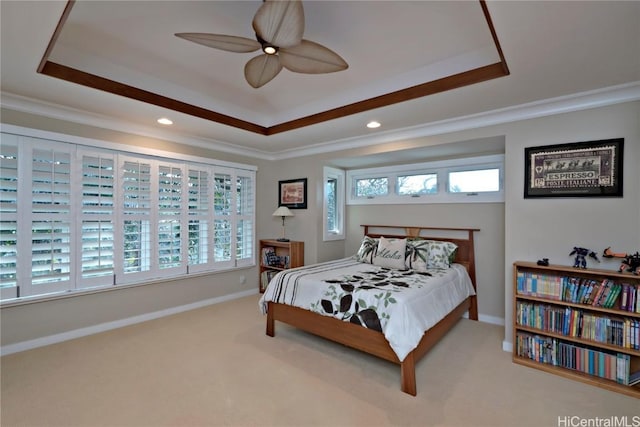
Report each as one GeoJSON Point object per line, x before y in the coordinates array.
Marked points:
{"type": "Point", "coordinates": [581, 254]}
{"type": "Point", "coordinates": [630, 262]}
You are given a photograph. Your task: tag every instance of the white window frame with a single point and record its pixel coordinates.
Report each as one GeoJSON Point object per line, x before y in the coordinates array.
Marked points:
{"type": "Point", "coordinates": [26, 140]}
{"type": "Point", "coordinates": [339, 175]}
{"type": "Point", "coordinates": [442, 168]}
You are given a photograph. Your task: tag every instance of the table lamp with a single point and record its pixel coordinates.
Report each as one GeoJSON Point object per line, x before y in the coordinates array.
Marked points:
{"type": "Point", "coordinates": [283, 211]}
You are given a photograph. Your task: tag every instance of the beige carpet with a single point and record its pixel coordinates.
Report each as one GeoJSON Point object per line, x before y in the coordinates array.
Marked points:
{"type": "Point", "coordinates": [215, 366]}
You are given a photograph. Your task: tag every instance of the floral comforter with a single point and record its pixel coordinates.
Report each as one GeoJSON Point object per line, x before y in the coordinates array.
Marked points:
{"type": "Point", "coordinates": [402, 304]}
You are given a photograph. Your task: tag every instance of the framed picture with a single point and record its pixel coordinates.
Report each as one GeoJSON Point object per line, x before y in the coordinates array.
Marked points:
{"type": "Point", "coordinates": [293, 193]}
{"type": "Point", "coordinates": [580, 169]}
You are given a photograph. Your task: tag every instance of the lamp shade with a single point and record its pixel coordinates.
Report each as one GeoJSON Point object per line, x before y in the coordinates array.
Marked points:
{"type": "Point", "coordinates": [283, 211]}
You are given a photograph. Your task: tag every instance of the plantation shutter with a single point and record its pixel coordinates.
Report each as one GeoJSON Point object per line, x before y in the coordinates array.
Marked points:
{"type": "Point", "coordinates": [136, 219]}
{"type": "Point", "coordinates": [245, 217]}
{"type": "Point", "coordinates": [8, 217]}
{"type": "Point", "coordinates": [170, 205]}
{"type": "Point", "coordinates": [51, 235]}
{"type": "Point", "coordinates": [74, 217]}
{"type": "Point", "coordinates": [200, 215]}
{"type": "Point", "coordinates": [223, 218]}
{"type": "Point", "coordinates": [97, 220]}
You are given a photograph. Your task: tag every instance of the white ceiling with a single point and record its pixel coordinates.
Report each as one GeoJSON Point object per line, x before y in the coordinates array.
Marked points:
{"type": "Point", "coordinates": [552, 49]}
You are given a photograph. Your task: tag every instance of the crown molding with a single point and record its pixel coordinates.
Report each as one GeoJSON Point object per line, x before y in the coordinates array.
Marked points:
{"type": "Point", "coordinates": [575, 102]}
{"type": "Point", "coordinates": [60, 112]}
{"type": "Point", "coordinates": [564, 104]}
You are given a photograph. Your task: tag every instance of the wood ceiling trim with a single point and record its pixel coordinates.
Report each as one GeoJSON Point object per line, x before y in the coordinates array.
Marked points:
{"type": "Point", "coordinates": [436, 86]}
{"type": "Point", "coordinates": [488, 72]}
{"type": "Point", "coordinates": [91, 80]}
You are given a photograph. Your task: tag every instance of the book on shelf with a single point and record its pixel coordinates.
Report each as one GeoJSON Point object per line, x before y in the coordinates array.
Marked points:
{"type": "Point", "coordinates": [603, 293]}
{"type": "Point", "coordinates": [578, 323]}
{"type": "Point", "coordinates": [272, 259]}
{"type": "Point", "coordinates": [268, 253]}
{"type": "Point", "coordinates": [265, 278]}
{"type": "Point", "coordinates": [555, 352]}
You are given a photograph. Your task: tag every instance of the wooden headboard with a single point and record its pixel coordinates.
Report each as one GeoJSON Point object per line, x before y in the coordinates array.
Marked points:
{"type": "Point", "coordinates": [463, 239]}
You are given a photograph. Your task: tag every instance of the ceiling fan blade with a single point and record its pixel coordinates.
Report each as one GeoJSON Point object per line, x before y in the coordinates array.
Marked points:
{"type": "Point", "coordinates": [280, 23]}
{"type": "Point", "coordinates": [311, 58]}
{"type": "Point", "coordinates": [262, 69]}
{"type": "Point", "coordinates": [221, 41]}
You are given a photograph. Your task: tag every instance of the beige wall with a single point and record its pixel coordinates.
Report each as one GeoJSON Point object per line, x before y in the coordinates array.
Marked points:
{"type": "Point", "coordinates": [38, 320]}
{"type": "Point", "coordinates": [519, 229]}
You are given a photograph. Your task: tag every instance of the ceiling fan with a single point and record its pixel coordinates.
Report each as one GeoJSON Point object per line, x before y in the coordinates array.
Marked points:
{"type": "Point", "coordinates": [278, 26]}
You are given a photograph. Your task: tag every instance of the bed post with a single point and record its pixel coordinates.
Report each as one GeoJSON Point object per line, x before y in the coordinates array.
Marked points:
{"type": "Point", "coordinates": [271, 319]}
{"type": "Point", "coordinates": [408, 374]}
{"type": "Point", "coordinates": [473, 309]}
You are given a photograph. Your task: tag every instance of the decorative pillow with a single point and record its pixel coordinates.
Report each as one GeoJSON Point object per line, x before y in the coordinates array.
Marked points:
{"type": "Point", "coordinates": [417, 254]}
{"type": "Point", "coordinates": [391, 253]}
{"type": "Point", "coordinates": [441, 254]}
{"type": "Point", "coordinates": [367, 250]}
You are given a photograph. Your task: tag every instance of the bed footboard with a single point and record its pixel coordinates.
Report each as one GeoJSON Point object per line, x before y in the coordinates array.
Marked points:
{"type": "Point", "coordinates": [363, 339]}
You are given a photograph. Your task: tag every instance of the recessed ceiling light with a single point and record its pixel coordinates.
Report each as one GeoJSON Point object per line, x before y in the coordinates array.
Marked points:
{"type": "Point", "coordinates": [373, 125]}
{"type": "Point", "coordinates": [165, 121]}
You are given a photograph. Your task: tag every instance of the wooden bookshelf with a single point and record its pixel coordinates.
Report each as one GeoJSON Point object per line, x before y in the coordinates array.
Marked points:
{"type": "Point", "coordinates": [287, 255]}
{"type": "Point", "coordinates": [560, 327]}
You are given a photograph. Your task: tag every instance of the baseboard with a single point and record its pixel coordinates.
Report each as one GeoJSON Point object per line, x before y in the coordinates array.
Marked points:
{"type": "Point", "coordinates": [487, 319]}
{"type": "Point", "coordinates": [90, 330]}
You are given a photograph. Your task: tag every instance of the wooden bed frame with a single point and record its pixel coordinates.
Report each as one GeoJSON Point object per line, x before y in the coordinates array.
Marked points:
{"type": "Point", "coordinates": [374, 342]}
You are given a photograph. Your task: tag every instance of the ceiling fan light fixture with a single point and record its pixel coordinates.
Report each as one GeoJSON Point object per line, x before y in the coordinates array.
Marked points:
{"type": "Point", "coordinates": [269, 50]}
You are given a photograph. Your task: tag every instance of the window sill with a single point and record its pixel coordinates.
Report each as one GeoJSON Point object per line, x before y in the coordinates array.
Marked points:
{"type": "Point", "coordinates": [97, 290]}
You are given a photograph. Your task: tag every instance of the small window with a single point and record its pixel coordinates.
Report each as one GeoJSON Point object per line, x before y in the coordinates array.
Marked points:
{"type": "Point", "coordinates": [417, 184]}
{"type": "Point", "coordinates": [331, 189]}
{"type": "Point", "coordinates": [474, 181]}
{"type": "Point", "coordinates": [372, 187]}
{"type": "Point", "coordinates": [333, 205]}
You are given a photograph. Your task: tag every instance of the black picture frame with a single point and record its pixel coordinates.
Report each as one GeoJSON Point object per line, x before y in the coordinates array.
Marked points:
{"type": "Point", "coordinates": [579, 169]}
{"type": "Point", "coordinates": [292, 193]}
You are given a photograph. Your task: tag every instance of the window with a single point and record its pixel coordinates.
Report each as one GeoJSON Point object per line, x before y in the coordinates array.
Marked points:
{"type": "Point", "coordinates": [333, 206]}
{"type": "Point", "coordinates": [472, 181]}
{"type": "Point", "coordinates": [417, 184]}
{"type": "Point", "coordinates": [93, 217]}
{"type": "Point", "coordinates": [475, 179]}
{"type": "Point", "coordinates": [372, 187]}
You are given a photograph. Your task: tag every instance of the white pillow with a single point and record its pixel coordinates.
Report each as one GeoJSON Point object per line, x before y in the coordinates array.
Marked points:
{"type": "Point", "coordinates": [390, 253]}
{"type": "Point", "coordinates": [441, 254]}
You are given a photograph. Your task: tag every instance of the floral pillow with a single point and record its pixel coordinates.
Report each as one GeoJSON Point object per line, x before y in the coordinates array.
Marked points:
{"type": "Point", "coordinates": [441, 254]}
{"type": "Point", "coordinates": [390, 253]}
{"type": "Point", "coordinates": [367, 250]}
